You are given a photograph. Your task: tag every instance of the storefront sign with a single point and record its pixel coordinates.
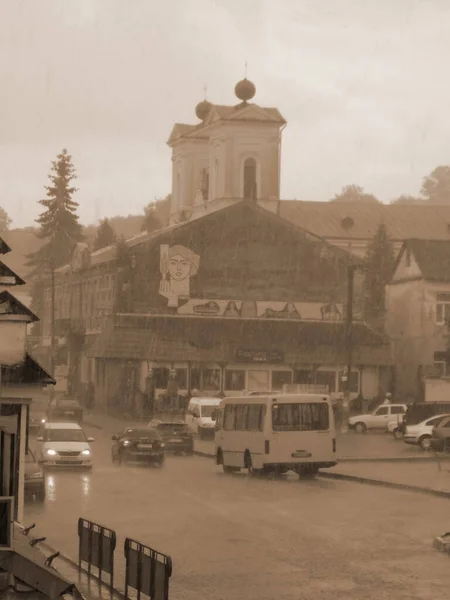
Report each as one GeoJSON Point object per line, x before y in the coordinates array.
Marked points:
{"type": "Point", "coordinates": [259, 356]}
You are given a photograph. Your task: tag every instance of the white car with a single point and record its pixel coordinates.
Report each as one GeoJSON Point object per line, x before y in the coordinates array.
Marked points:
{"type": "Point", "coordinates": [64, 444]}
{"type": "Point", "coordinates": [420, 434]}
{"type": "Point", "coordinates": [378, 419]}
{"type": "Point", "coordinates": [394, 427]}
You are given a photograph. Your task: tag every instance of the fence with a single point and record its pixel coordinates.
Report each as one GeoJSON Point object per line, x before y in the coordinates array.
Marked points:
{"type": "Point", "coordinates": [146, 570]}
{"type": "Point", "coordinates": [96, 545]}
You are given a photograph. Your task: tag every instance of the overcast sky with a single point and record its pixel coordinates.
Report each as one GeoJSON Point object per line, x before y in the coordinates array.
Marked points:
{"type": "Point", "coordinates": [363, 84]}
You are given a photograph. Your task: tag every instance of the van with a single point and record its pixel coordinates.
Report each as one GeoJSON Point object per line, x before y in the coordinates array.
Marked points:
{"type": "Point", "coordinates": [199, 416]}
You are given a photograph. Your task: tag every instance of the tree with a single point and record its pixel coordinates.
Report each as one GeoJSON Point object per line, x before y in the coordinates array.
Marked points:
{"type": "Point", "coordinates": [354, 193]}
{"type": "Point", "coordinates": [105, 235]}
{"type": "Point", "coordinates": [59, 227]}
{"type": "Point", "coordinates": [380, 260]}
{"type": "Point", "coordinates": [151, 221]}
{"type": "Point", "coordinates": [436, 186]}
{"type": "Point", "coordinates": [5, 221]}
{"type": "Point", "coordinates": [408, 200]}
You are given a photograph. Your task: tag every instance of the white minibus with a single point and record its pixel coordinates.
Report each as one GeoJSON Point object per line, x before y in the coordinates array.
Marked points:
{"type": "Point", "coordinates": [275, 433]}
{"type": "Point", "coordinates": [198, 415]}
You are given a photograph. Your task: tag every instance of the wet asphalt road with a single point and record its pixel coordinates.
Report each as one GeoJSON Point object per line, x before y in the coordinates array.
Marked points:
{"type": "Point", "coordinates": [234, 538]}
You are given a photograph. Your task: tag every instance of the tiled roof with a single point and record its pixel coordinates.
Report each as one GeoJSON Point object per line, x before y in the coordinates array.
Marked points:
{"type": "Point", "coordinates": [432, 257]}
{"type": "Point", "coordinates": [402, 221]}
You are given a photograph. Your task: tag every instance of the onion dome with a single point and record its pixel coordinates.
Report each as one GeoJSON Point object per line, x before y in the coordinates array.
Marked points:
{"type": "Point", "coordinates": [245, 90]}
{"type": "Point", "coordinates": [202, 109]}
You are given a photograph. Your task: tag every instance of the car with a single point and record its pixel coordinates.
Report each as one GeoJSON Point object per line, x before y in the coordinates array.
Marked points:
{"type": "Point", "coordinates": [198, 416]}
{"type": "Point", "coordinates": [421, 433]}
{"type": "Point", "coordinates": [65, 409]}
{"type": "Point", "coordinates": [34, 478]}
{"type": "Point", "coordinates": [377, 419]}
{"type": "Point", "coordinates": [139, 444]}
{"type": "Point", "coordinates": [64, 445]}
{"type": "Point", "coordinates": [37, 415]}
{"type": "Point", "coordinates": [440, 437]}
{"type": "Point", "coordinates": [176, 435]}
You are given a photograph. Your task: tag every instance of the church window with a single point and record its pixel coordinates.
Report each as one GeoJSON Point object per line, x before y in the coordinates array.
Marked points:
{"type": "Point", "coordinates": [249, 179]}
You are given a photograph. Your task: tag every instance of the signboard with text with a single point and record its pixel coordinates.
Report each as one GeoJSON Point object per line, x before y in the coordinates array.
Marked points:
{"type": "Point", "coordinates": [259, 356]}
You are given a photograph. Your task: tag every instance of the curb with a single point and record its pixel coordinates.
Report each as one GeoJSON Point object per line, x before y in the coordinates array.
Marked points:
{"type": "Point", "coordinates": [390, 484]}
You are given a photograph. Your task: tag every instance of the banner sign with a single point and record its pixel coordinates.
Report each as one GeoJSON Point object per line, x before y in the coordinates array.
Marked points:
{"type": "Point", "coordinates": [259, 356]}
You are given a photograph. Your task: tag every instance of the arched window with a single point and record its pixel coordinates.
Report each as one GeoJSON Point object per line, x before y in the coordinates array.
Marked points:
{"type": "Point", "coordinates": [250, 179]}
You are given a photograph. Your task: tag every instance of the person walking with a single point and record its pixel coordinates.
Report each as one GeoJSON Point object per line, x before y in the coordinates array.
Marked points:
{"type": "Point", "coordinates": [387, 398]}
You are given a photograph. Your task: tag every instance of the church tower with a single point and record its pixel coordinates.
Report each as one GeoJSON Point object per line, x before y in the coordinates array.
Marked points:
{"type": "Point", "coordinates": [232, 154]}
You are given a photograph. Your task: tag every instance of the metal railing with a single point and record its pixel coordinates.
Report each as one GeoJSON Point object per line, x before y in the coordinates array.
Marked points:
{"type": "Point", "coordinates": [146, 570]}
{"type": "Point", "coordinates": [96, 546]}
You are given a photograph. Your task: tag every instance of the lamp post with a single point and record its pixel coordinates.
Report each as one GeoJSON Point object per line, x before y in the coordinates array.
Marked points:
{"type": "Point", "coordinates": [348, 347]}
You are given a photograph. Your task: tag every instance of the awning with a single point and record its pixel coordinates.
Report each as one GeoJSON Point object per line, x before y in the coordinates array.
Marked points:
{"type": "Point", "coordinates": [26, 565]}
{"type": "Point", "coordinates": [29, 372]}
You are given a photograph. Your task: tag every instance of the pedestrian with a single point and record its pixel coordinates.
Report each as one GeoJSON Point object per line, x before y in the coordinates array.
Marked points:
{"type": "Point", "coordinates": [387, 398]}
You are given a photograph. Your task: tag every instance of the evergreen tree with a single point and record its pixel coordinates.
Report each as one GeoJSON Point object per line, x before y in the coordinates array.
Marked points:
{"type": "Point", "coordinates": [151, 221]}
{"type": "Point", "coordinates": [380, 259]}
{"type": "Point", "coordinates": [105, 235]}
{"type": "Point", "coordinates": [59, 227]}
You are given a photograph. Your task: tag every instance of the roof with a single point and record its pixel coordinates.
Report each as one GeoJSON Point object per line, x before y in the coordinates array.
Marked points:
{"type": "Point", "coordinates": [8, 277]}
{"type": "Point", "coordinates": [9, 304]}
{"type": "Point", "coordinates": [61, 425]}
{"type": "Point", "coordinates": [402, 221]}
{"type": "Point", "coordinates": [29, 372]}
{"type": "Point", "coordinates": [4, 248]}
{"type": "Point", "coordinates": [432, 257]}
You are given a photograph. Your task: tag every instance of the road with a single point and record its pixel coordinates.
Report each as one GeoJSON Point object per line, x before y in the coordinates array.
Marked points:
{"type": "Point", "coordinates": [234, 538]}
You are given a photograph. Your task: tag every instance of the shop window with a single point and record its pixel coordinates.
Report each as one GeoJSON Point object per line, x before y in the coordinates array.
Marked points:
{"type": "Point", "coordinates": [280, 378]}
{"type": "Point", "coordinates": [442, 308]}
{"type": "Point", "coordinates": [161, 375]}
{"type": "Point", "coordinates": [196, 379]}
{"type": "Point", "coordinates": [235, 380]}
{"type": "Point", "coordinates": [181, 378]}
{"type": "Point", "coordinates": [258, 381]}
{"type": "Point", "coordinates": [303, 376]}
{"type": "Point", "coordinates": [211, 379]}
{"type": "Point", "coordinates": [327, 378]}
{"type": "Point", "coordinates": [354, 382]}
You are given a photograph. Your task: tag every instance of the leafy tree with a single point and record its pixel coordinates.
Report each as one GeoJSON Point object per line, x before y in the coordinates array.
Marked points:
{"type": "Point", "coordinates": [151, 220]}
{"type": "Point", "coordinates": [5, 221]}
{"type": "Point", "coordinates": [105, 235]}
{"type": "Point", "coordinates": [404, 199]}
{"type": "Point", "coordinates": [436, 186]}
{"type": "Point", "coordinates": [354, 193]}
{"type": "Point", "coordinates": [380, 260]}
{"type": "Point", "coordinates": [59, 227]}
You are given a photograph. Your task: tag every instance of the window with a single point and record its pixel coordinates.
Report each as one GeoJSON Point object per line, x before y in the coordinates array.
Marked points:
{"type": "Point", "coordinates": [229, 417]}
{"type": "Point", "coordinates": [241, 417]}
{"type": "Point", "coordinates": [397, 410]}
{"type": "Point", "coordinates": [300, 417]}
{"type": "Point", "coordinates": [354, 382]}
{"type": "Point", "coordinates": [442, 307]}
{"type": "Point", "coordinates": [211, 379]}
{"type": "Point", "coordinates": [235, 380]}
{"type": "Point", "coordinates": [383, 410]}
{"type": "Point", "coordinates": [181, 378]}
{"type": "Point", "coordinates": [279, 378]}
{"type": "Point", "coordinates": [255, 417]}
{"type": "Point", "coordinates": [435, 421]}
{"type": "Point", "coordinates": [446, 424]}
{"type": "Point", "coordinates": [250, 191]}
{"type": "Point", "coordinates": [161, 377]}
{"type": "Point", "coordinates": [258, 381]}
{"type": "Point", "coordinates": [327, 378]}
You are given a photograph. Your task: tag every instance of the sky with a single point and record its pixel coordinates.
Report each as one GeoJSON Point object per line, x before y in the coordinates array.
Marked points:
{"type": "Point", "coordinates": [363, 85]}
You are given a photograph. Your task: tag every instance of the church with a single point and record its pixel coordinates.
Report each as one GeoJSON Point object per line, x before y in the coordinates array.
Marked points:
{"type": "Point", "coordinates": [230, 297]}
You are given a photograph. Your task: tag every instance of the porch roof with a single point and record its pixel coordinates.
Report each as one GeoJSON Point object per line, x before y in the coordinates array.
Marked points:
{"type": "Point", "coordinates": [29, 372]}
{"type": "Point", "coordinates": [204, 339]}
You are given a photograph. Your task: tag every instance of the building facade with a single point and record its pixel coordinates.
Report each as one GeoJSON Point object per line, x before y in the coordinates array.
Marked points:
{"type": "Point", "coordinates": [418, 312]}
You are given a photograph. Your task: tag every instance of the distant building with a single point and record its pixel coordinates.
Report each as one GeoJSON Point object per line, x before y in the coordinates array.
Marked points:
{"type": "Point", "coordinates": [418, 313]}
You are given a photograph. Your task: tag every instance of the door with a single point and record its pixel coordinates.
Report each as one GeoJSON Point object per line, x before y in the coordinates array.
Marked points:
{"type": "Point", "coordinates": [380, 418]}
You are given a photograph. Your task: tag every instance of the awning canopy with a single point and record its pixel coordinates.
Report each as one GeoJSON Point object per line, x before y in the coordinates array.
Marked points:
{"type": "Point", "coordinates": [26, 565]}
{"type": "Point", "coordinates": [203, 339]}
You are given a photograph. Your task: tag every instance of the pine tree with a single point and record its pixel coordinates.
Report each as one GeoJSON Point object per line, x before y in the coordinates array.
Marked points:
{"type": "Point", "coordinates": [59, 227]}
{"type": "Point", "coordinates": [105, 235]}
{"type": "Point", "coordinates": [380, 259]}
{"type": "Point", "coordinates": [151, 221]}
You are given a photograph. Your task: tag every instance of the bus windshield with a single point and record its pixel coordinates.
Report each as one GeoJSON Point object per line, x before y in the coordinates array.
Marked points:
{"type": "Point", "coordinates": [311, 416]}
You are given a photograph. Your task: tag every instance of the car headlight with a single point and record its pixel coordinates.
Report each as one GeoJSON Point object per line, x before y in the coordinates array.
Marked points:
{"type": "Point", "coordinates": [86, 452]}
{"type": "Point", "coordinates": [50, 452]}
{"type": "Point", "coordinates": [126, 442]}
{"type": "Point", "coordinates": [43, 420]}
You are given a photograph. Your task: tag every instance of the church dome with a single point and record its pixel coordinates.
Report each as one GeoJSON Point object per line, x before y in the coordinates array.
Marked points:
{"type": "Point", "coordinates": [245, 89]}
{"type": "Point", "coordinates": [202, 109]}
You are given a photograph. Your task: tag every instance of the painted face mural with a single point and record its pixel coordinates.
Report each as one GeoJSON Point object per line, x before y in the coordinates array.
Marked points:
{"type": "Point", "coordinates": [177, 265]}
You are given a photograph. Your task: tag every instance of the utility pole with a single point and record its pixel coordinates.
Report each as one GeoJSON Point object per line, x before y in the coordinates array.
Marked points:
{"type": "Point", "coordinates": [348, 345]}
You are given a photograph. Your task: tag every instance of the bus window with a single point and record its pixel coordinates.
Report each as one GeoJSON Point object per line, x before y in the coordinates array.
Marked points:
{"type": "Point", "coordinates": [241, 417]}
{"type": "Point", "coordinates": [229, 417]}
{"type": "Point", "coordinates": [254, 417]}
{"type": "Point", "coordinates": [300, 417]}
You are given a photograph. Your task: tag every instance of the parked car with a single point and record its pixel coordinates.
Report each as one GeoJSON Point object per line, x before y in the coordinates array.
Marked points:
{"type": "Point", "coordinates": [37, 415]}
{"type": "Point", "coordinates": [34, 478]}
{"type": "Point", "coordinates": [396, 427]}
{"type": "Point", "coordinates": [420, 411]}
{"type": "Point", "coordinates": [440, 437]}
{"type": "Point", "coordinates": [378, 419]}
{"type": "Point", "coordinates": [421, 433]}
{"type": "Point", "coordinates": [176, 435]}
{"type": "Point", "coordinates": [64, 445]}
{"type": "Point", "coordinates": [65, 409]}
{"type": "Point", "coordinates": [139, 444]}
